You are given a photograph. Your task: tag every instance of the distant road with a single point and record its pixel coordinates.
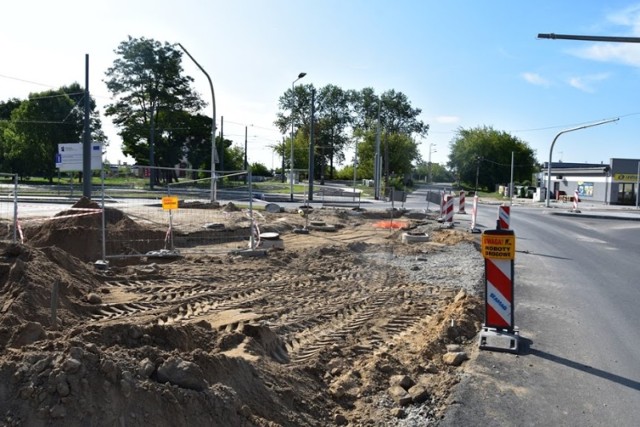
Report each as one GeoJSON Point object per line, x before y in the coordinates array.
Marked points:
{"type": "Point", "coordinates": [577, 299]}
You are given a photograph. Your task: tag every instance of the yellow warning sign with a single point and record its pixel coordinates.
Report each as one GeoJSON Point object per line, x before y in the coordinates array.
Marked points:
{"type": "Point", "coordinates": [498, 244]}
{"type": "Point", "coordinates": [169, 203]}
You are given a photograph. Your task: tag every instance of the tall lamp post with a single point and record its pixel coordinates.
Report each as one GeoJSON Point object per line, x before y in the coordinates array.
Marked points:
{"type": "Point", "coordinates": [554, 143]}
{"type": "Point", "coordinates": [431, 144]}
{"type": "Point", "coordinates": [293, 97]}
{"type": "Point", "coordinates": [213, 128]}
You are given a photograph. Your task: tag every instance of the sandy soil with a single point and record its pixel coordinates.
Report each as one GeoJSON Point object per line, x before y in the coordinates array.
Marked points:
{"type": "Point", "coordinates": [345, 325]}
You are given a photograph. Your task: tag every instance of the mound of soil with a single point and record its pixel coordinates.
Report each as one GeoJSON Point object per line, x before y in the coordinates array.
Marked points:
{"type": "Point", "coordinates": [346, 328]}
{"type": "Point", "coordinates": [78, 231]}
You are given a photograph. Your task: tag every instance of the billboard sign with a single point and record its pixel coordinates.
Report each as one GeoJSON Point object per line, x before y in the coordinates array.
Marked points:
{"type": "Point", "coordinates": [69, 157]}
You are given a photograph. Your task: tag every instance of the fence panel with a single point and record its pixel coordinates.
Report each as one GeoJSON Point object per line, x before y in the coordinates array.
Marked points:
{"type": "Point", "coordinates": [138, 224]}
{"type": "Point", "coordinates": [8, 207]}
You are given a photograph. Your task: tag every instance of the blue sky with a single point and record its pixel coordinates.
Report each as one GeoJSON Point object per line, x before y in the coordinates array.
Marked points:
{"type": "Point", "coordinates": [464, 63]}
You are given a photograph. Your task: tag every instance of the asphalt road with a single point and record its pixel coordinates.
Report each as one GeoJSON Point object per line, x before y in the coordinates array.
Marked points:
{"type": "Point", "coordinates": [577, 292]}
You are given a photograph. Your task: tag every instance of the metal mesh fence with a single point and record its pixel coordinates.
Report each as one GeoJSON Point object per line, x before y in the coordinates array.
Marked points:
{"type": "Point", "coordinates": [178, 217]}
{"type": "Point", "coordinates": [8, 207]}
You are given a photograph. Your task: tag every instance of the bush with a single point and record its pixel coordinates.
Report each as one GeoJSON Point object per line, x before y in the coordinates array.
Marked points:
{"type": "Point", "coordinates": [345, 173]}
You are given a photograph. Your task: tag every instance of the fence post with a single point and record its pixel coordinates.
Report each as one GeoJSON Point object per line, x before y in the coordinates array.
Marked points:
{"type": "Point", "coordinates": [15, 208]}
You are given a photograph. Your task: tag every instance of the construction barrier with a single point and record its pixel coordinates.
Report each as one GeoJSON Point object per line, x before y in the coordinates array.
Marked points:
{"type": "Point", "coordinates": [474, 215]}
{"type": "Point", "coordinates": [499, 331]}
{"type": "Point", "coordinates": [461, 203]}
{"type": "Point", "coordinates": [504, 214]}
{"type": "Point", "coordinates": [448, 209]}
{"type": "Point", "coordinates": [576, 199]}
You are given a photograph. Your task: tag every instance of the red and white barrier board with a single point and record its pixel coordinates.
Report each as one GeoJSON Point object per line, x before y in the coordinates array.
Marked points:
{"type": "Point", "coordinates": [448, 208]}
{"type": "Point", "coordinates": [504, 217]}
{"type": "Point", "coordinates": [461, 203]}
{"type": "Point", "coordinates": [498, 249]}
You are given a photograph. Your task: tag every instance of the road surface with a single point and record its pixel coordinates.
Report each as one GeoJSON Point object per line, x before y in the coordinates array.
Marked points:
{"type": "Point", "coordinates": [577, 291]}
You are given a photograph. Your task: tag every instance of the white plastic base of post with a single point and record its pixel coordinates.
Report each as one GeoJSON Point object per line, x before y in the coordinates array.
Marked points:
{"type": "Point", "coordinates": [499, 340]}
{"type": "Point", "coordinates": [414, 238]}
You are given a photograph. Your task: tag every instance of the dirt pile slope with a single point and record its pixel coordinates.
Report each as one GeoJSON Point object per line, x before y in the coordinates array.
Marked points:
{"type": "Point", "coordinates": [348, 327]}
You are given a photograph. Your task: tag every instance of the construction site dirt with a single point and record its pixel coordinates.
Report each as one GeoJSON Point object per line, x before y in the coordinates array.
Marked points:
{"type": "Point", "coordinates": [345, 324]}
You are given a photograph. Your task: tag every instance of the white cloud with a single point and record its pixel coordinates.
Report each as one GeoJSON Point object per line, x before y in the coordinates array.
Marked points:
{"type": "Point", "coordinates": [623, 53]}
{"type": "Point", "coordinates": [447, 119]}
{"type": "Point", "coordinates": [585, 83]}
{"type": "Point", "coordinates": [535, 79]}
{"type": "Point", "coordinates": [628, 17]}
{"type": "Point", "coordinates": [628, 21]}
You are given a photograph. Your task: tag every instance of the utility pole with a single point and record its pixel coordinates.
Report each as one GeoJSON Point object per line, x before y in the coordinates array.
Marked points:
{"type": "Point", "coordinates": [511, 182]}
{"type": "Point", "coordinates": [283, 156]}
{"type": "Point", "coordinates": [477, 173]}
{"type": "Point", "coordinates": [86, 140]}
{"type": "Point", "coordinates": [221, 156]}
{"type": "Point", "coordinates": [312, 144]}
{"type": "Point", "coordinates": [246, 168]}
{"type": "Point", "coordinates": [377, 161]}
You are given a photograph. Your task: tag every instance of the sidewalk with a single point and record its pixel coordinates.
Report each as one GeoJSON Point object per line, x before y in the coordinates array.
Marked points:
{"type": "Point", "coordinates": [585, 209]}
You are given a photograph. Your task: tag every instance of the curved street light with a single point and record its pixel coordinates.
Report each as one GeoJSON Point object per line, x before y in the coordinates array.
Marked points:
{"type": "Point", "coordinates": [554, 143]}
{"type": "Point", "coordinates": [293, 97]}
{"type": "Point", "coordinates": [213, 128]}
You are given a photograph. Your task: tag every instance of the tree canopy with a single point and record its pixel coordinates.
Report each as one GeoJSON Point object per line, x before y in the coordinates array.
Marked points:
{"type": "Point", "coordinates": [155, 106]}
{"type": "Point", "coordinates": [35, 126]}
{"type": "Point", "coordinates": [485, 153]}
{"type": "Point", "coordinates": [403, 150]}
{"type": "Point", "coordinates": [342, 115]}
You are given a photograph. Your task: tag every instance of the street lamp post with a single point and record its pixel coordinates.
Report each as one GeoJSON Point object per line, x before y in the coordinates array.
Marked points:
{"type": "Point", "coordinates": [355, 167]}
{"type": "Point", "coordinates": [293, 95]}
{"type": "Point", "coordinates": [431, 144]}
{"type": "Point", "coordinates": [554, 143]}
{"type": "Point", "coordinates": [213, 128]}
{"type": "Point", "coordinates": [475, 192]}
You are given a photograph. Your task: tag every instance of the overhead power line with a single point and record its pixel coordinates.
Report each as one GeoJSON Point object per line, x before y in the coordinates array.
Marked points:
{"type": "Point", "coordinates": [25, 81]}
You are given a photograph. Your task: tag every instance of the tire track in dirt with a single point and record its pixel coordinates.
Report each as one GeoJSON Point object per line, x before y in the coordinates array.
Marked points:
{"type": "Point", "coordinates": [356, 297]}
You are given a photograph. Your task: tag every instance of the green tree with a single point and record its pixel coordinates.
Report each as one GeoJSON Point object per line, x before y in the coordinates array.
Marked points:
{"type": "Point", "coordinates": [484, 153]}
{"type": "Point", "coordinates": [37, 125]}
{"type": "Point", "coordinates": [332, 118]}
{"type": "Point", "coordinates": [403, 152]}
{"type": "Point", "coordinates": [438, 172]}
{"type": "Point", "coordinates": [152, 96]}
{"type": "Point", "coordinates": [333, 113]}
{"type": "Point", "coordinates": [258, 169]}
{"type": "Point", "coordinates": [339, 111]}
{"type": "Point", "coordinates": [6, 108]}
